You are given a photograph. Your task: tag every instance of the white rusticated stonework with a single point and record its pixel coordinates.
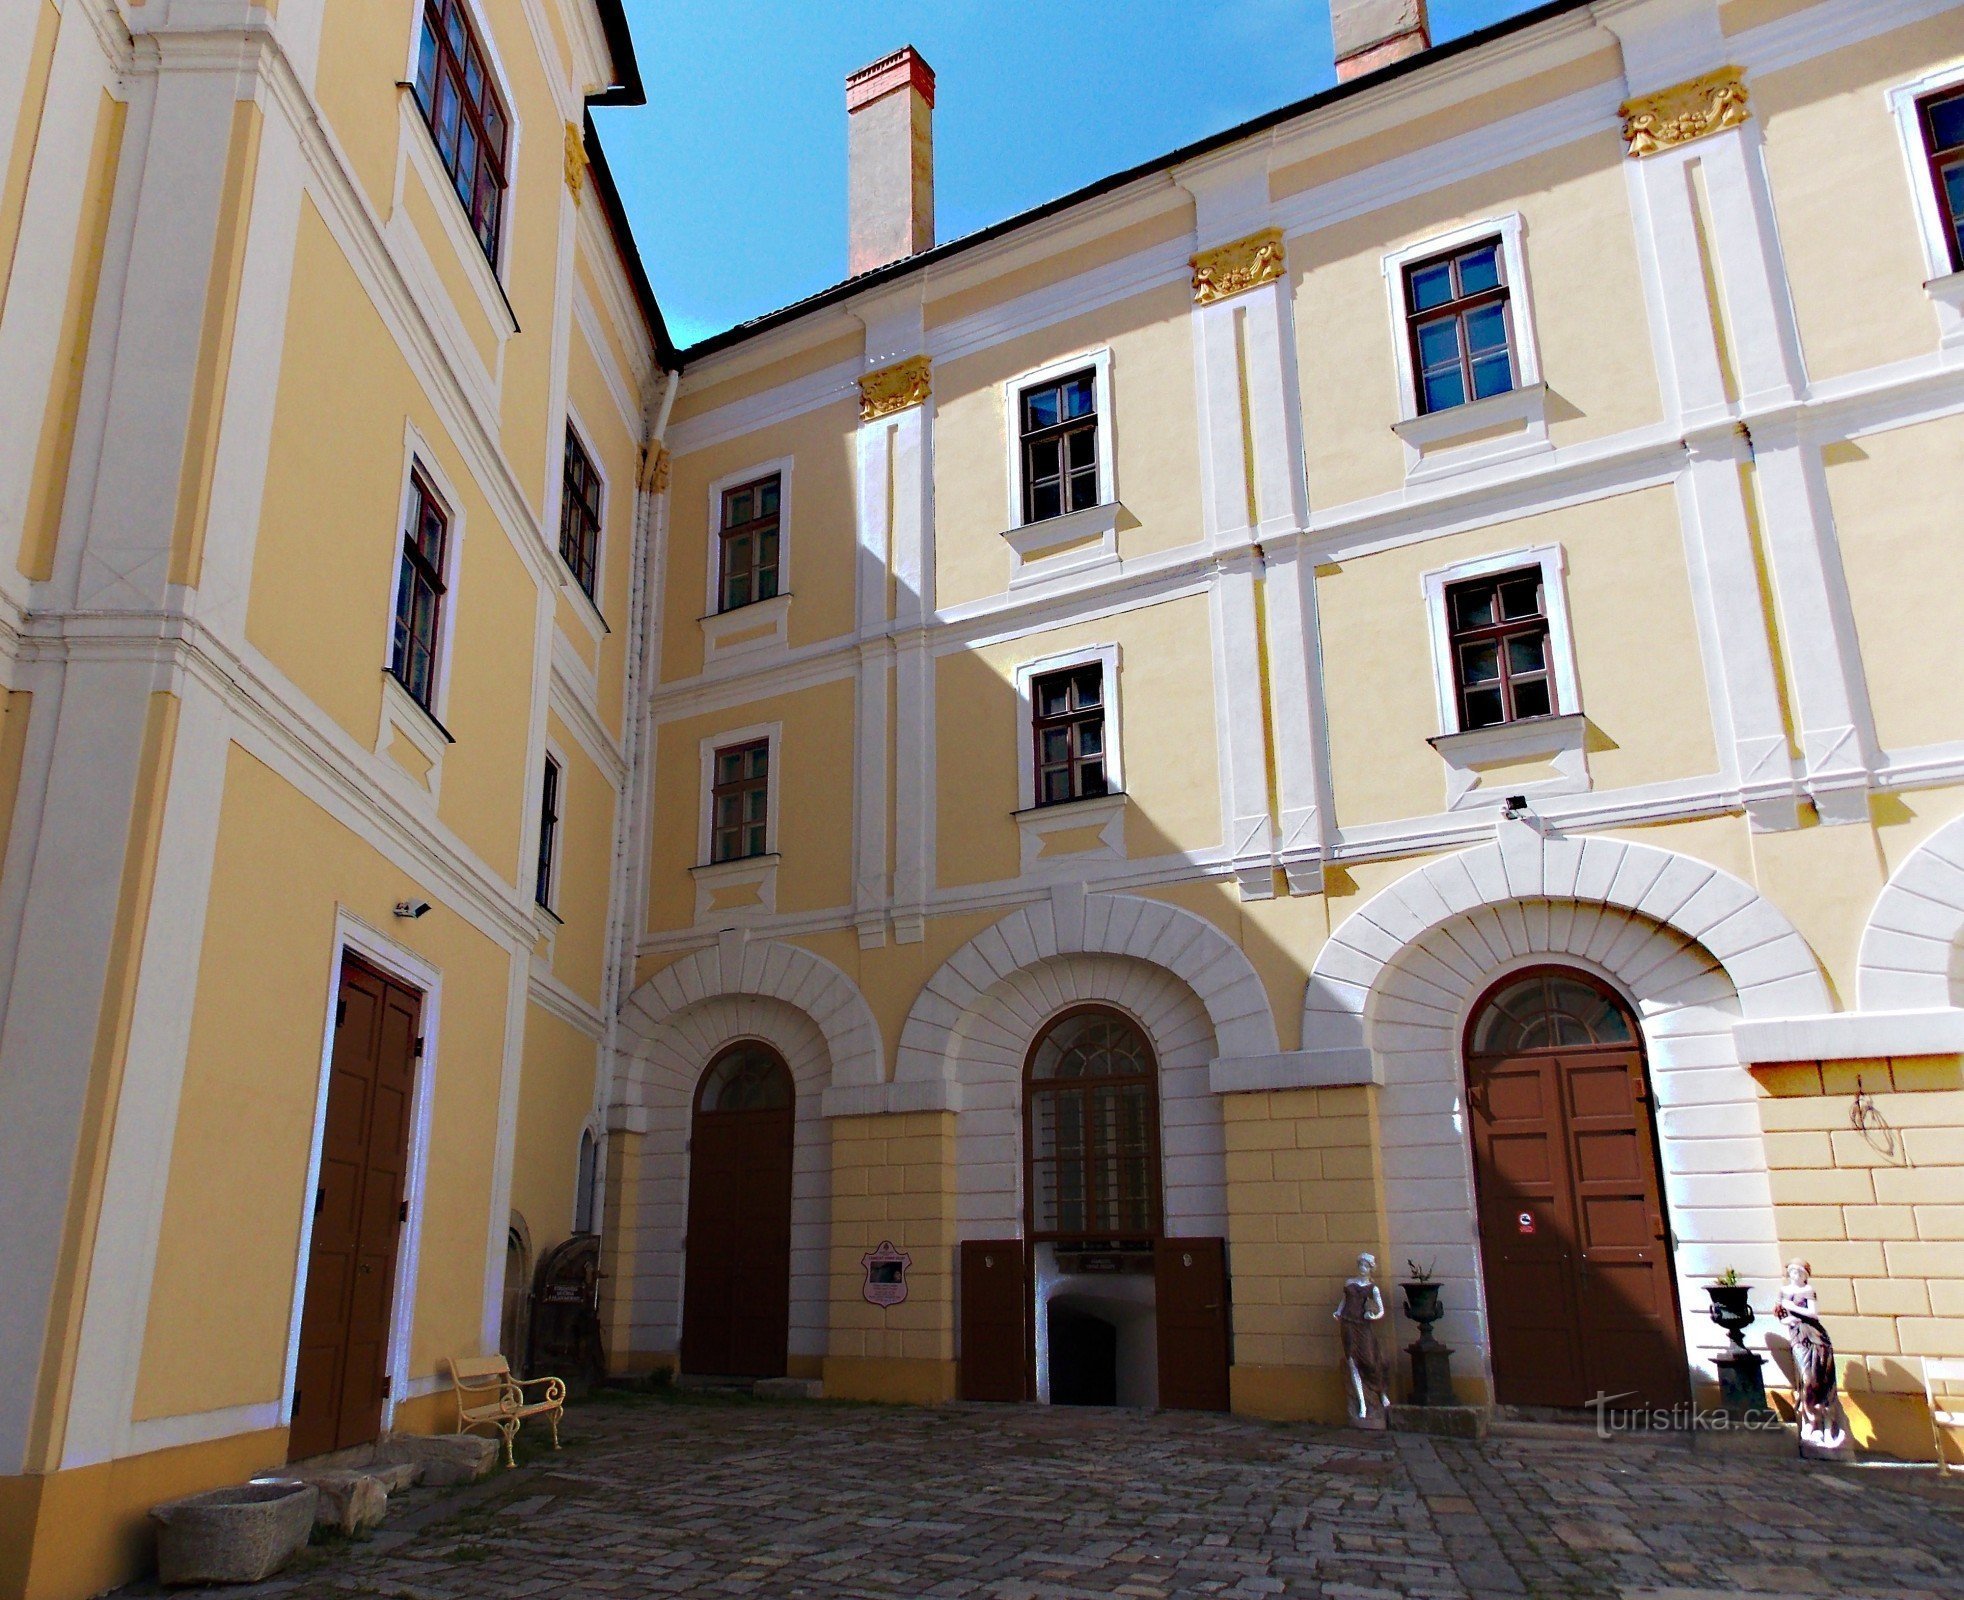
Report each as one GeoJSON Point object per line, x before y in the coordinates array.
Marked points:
{"type": "Point", "coordinates": [1912, 955]}
{"type": "Point", "coordinates": [1071, 922]}
{"type": "Point", "coordinates": [1692, 949]}
{"type": "Point", "coordinates": [667, 1064]}
{"type": "Point", "coordinates": [775, 970]}
{"type": "Point", "coordinates": [988, 1059]}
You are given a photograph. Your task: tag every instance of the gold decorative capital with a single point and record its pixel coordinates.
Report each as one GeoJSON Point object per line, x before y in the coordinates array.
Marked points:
{"type": "Point", "coordinates": [575, 159]}
{"type": "Point", "coordinates": [656, 464]}
{"type": "Point", "coordinates": [1231, 269]}
{"type": "Point", "coordinates": [1671, 117]}
{"type": "Point", "coordinates": [893, 388]}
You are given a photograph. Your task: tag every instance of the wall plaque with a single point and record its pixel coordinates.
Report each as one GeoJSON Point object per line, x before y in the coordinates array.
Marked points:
{"type": "Point", "coordinates": [886, 1274]}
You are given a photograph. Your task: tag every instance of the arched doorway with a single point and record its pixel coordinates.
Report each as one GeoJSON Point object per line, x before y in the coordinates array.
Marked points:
{"type": "Point", "coordinates": [1580, 1296]}
{"type": "Point", "coordinates": [736, 1295]}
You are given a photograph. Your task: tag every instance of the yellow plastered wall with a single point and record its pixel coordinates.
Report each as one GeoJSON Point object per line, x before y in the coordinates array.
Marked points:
{"type": "Point", "coordinates": [1305, 1196]}
{"type": "Point", "coordinates": [230, 1229]}
{"type": "Point", "coordinates": [1588, 305]}
{"type": "Point", "coordinates": [555, 1099]}
{"type": "Point", "coordinates": [1876, 1204]}
{"type": "Point", "coordinates": [893, 1179]}
{"type": "Point", "coordinates": [329, 544]}
{"type": "Point", "coordinates": [819, 538]}
{"type": "Point", "coordinates": [1166, 729]}
{"type": "Point", "coordinates": [1636, 646]}
{"type": "Point", "coordinates": [1156, 467]}
{"type": "Point", "coordinates": [814, 824]}
{"type": "Point", "coordinates": [1842, 197]}
{"type": "Point", "coordinates": [1895, 496]}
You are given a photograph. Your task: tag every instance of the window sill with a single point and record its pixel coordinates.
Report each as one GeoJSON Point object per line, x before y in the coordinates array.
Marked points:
{"type": "Point", "coordinates": [1483, 764]}
{"type": "Point", "coordinates": [443, 198]}
{"type": "Point", "coordinates": [731, 893]}
{"type": "Point", "coordinates": [1079, 541]}
{"type": "Point", "coordinates": [546, 924]}
{"type": "Point", "coordinates": [1059, 840]}
{"type": "Point", "coordinates": [1499, 428]}
{"type": "Point", "coordinates": [761, 625]}
{"type": "Point", "coordinates": [1947, 293]}
{"type": "Point", "coordinates": [411, 737]}
{"type": "Point", "coordinates": [582, 602]}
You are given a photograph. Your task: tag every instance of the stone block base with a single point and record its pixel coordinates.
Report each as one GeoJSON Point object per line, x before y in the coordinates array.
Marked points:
{"type": "Point", "coordinates": [1442, 1422]}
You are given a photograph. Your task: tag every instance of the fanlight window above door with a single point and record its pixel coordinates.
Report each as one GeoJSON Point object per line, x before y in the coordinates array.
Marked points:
{"type": "Point", "coordinates": [1549, 1011]}
{"type": "Point", "coordinates": [1093, 1132]}
{"type": "Point", "coordinates": [746, 1077]}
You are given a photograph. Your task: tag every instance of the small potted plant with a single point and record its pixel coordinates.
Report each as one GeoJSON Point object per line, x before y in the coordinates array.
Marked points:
{"type": "Point", "coordinates": [1731, 1299]}
{"type": "Point", "coordinates": [1421, 1295]}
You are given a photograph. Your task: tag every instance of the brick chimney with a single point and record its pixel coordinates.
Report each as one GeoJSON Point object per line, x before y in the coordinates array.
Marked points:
{"type": "Point", "coordinates": [1374, 33]}
{"type": "Point", "coordinates": [889, 160]}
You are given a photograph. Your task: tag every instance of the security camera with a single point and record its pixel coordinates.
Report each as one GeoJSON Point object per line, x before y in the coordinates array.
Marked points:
{"type": "Point", "coordinates": [412, 908]}
{"type": "Point", "coordinates": [1515, 805]}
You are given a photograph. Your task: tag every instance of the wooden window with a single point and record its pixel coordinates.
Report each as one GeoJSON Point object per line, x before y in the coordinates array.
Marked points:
{"type": "Point", "coordinates": [460, 103]}
{"type": "Point", "coordinates": [740, 801]}
{"type": "Point", "coordinates": [1461, 327]}
{"type": "Point", "coordinates": [1092, 1107]}
{"type": "Point", "coordinates": [548, 832]}
{"type": "Point", "coordinates": [579, 515]}
{"type": "Point", "coordinates": [1501, 665]}
{"type": "Point", "coordinates": [419, 592]}
{"type": "Point", "coordinates": [1942, 119]}
{"type": "Point", "coordinates": [1059, 425]}
{"type": "Point", "coordinates": [1068, 723]}
{"type": "Point", "coordinates": [747, 561]}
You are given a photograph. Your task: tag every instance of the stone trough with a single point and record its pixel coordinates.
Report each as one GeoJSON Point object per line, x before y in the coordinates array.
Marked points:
{"type": "Point", "coordinates": [238, 1535]}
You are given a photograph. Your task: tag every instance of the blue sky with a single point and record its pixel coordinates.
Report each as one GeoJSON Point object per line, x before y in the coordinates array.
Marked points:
{"type": "Point", "coordinates": [734, 173]}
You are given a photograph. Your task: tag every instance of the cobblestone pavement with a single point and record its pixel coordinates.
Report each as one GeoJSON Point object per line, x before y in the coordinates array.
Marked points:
{"type": "Point", "coordinates": [733, 1497]}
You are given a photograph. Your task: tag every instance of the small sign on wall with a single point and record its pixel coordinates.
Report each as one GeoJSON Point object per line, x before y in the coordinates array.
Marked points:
{"type": "Point", "coordinates": [886, 1274]}
{"type": "Point", "coordinates": [1526, 1222]}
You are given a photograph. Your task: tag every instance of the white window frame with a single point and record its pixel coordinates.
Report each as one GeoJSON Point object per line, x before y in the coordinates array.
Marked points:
{"type": "Point", "coordinates": [488, 42]}
{"type": "Point", "coordinates": [763, 624]}
{"type": "Point", "coordinates": [576, 426]}
{"type": "Point", "coordinates": [557, 757]}
{"type": "Point", "coordinates": [1561, 643]}
{"type": "Point", "coordinates": [401, 711]}
{"type": "Point", "coordinates": [1107, 658]}
{"type": "Point", "coordinates": [1435, 441]}
{"type": "Point", "coordinates": [773, 734]}
{"type": "Point", "coordinates": [1013, 390]}
{"type": "Point", "coordinates": [1560, 739]}
{"type": "Point", "coordinates": [1945, 283]}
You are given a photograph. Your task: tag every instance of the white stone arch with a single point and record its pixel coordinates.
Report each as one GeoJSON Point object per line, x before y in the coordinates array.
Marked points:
{"type": "Point", "coordinates": [1691, 948]}
{"type": "Point", "coordinates": [674, 1025]}
{"type": "Point", "coordinates": [1912, 955]}
{"type": "Point", "coordinates": [1070, 922]}
{"type": "Point", "coordinates": [987, 1062]}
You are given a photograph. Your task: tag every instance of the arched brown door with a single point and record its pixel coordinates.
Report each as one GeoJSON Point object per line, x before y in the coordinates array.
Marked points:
{"type": "Point", "coordinates": [1580, 1297]}
{"type": "Point", "coordinates": [736, 1292]}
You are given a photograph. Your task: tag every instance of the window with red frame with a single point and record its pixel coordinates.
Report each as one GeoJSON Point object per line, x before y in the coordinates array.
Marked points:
{"type": "Point", "coordinates": [467, 119]}
{"type": "Point", "coordinates": [419, 592]}
{"type": "Point", "coordinates": [1942, 119]}
{"type": "Point", "coordinates": [1501, 668]}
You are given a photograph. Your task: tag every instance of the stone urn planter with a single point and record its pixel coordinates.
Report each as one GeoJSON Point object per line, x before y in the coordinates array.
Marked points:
{"type": "Point", "coordinates": [1432, 1382]}
{"type": "Point", "coordinates": [238, 1535]}
{"type": "Point", "coordinates": [1741, 1387]}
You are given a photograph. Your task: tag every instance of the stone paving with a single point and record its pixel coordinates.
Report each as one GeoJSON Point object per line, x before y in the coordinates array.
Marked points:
{"type": "Point", "coordinates": [731, 1497]}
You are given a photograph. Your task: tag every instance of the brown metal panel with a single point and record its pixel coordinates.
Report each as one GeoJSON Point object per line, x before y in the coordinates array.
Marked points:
{"type": "Point", "coordinates": [995, 1320]}
{"type": "Point", "coordinates": [1195, 1330]}
{"type": "Point", "coordinates": [341, 1377]}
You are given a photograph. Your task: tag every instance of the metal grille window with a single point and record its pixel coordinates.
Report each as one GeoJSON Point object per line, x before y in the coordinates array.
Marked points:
{"type": "Point", "coordinates": [419, 592]}
{"type": "Point", "coordinates": [1093, 1134]}
{"type": "Point", "coordinates": [1501, 667]}
{"type": "Point", "coordinates": [1068, 721]}
{"type": "Point", "coordinates": [466, 118]}
{"type": "Point", "coordinates": [747, 560]}
{"type": "Point", "coordinates": [579, 515]}
{"type": "Point", "coordinates": [1461, 327]}
{"type": "Point", "coordinates": [739, 800]}
{"type": "Point", "coordinates": [548, 831]}
{"type": "Point", "coordinates": [1060, 446]}
{"type": "Point", "coordinates": [1942, 119]}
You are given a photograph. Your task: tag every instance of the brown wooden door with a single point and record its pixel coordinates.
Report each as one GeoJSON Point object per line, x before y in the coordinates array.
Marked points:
{"type": "Point", "coordinates": [341, 1378]}
{"type": "Point", "coordinates": [736, 1294]}
{"type": "Point", "coordinates": [1191, 1295]}
{"type": "Point", "coordinates": [1580, 1296]}
{"type": "Point", "coordinates": [995, 1320]}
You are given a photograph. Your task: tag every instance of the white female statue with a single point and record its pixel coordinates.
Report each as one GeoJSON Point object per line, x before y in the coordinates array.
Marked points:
{"type": "Point", "coordinates": [1367, 1371]}
{"type": "Point", "coordinates": [1817, 1405]}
